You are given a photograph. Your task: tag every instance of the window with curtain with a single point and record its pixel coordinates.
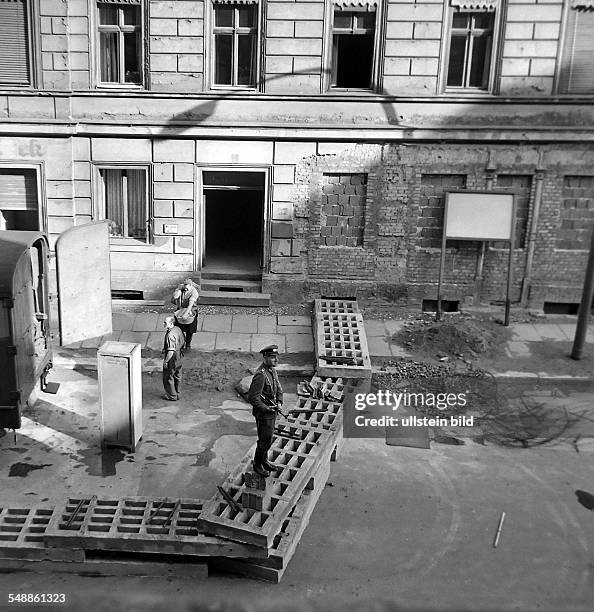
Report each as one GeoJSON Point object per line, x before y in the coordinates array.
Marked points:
{"type": "Point", "coordinates": [15, 52]}
{"type": "Point", "coordinates": [353, 42]}
{"type": "Point", "coordinates": [576, 74]}
{"type": "Point", "coordinates": [235, 41]}
{"type": "Point", "coordinates": [124, 202]}
{"type": "Point", "coordinates": [470, 49]}
{"type": "Point", "coordinates": [120, 42]}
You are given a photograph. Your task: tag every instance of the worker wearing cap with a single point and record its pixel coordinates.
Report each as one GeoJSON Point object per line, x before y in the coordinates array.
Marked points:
{"type": "Point", "coordinates": [172, 358]}
{"type": "Point", "coordinates": [266, 397]}
{"type": "Point", "coordinates": [185, 298]}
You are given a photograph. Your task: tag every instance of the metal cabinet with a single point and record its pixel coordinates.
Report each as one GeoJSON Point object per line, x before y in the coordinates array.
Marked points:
{"type": "Point", "coordinates": [120, 392]}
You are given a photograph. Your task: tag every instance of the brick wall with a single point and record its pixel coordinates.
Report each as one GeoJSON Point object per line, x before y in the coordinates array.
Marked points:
{"type": "Point", "coordinates": [343, 209]}
{"type": "Point", "coordinates": [576, 213]}
{"type": "Point", "coordinates": [432, 205]}
{"type": "Point", "coordinates": [521, 186]}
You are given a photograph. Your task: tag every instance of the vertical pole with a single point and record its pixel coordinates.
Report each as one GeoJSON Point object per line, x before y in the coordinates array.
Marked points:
{"type": "Point", "coordinates": [585, 306]}
{"type": "Point", "coordinates": [532, 233]}
{"type": "Point", "coordinates": [510, 269]}
{"type": "Point", "coordinates": [442, 259]}
{"type": "Point", "coordinates": [480, 261]}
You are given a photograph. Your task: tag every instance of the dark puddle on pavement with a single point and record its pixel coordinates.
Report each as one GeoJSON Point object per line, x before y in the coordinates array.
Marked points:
{"type": "Point", "coordinates": [585, 499]}
{"type": "Point", "coordinates": [205, 457]}
{"type": "Point", "coordinates": [22, 469]}
{"type": "Point", "coordinates": [102, 463]}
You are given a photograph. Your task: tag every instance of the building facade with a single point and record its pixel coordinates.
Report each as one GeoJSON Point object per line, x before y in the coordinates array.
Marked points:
{"type": "Point", "coordinates": [311, 141]}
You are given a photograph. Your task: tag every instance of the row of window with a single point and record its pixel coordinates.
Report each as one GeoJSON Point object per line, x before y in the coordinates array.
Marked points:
{"type": "Point", "coordinates": [471, 46]}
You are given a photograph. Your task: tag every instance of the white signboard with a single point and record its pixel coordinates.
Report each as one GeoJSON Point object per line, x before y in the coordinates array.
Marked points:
{"type": "Point", "coordinates": [479, 216]}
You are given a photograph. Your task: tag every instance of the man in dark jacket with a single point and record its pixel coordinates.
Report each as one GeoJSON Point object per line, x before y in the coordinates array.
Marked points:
{"type": "Point", "coordinates": [172, 361]}
{"type": "Point", "coordinates": [266, 397]}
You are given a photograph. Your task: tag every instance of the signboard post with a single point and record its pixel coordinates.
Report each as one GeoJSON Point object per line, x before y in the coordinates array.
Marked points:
{"type": "Point", "coordinates": [479, 215]}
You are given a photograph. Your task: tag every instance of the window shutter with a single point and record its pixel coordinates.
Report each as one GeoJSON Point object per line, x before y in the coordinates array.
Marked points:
{"type": "Point", "coordinates": [577, 70]}
{"type": "Point", "coordinates": [14, 43]}
{"type": "Point", "coordinates": [18, 189]}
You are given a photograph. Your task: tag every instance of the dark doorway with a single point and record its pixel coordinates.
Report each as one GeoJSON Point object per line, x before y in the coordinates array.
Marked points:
{"type": "Point", "coordinates": [233, 228]}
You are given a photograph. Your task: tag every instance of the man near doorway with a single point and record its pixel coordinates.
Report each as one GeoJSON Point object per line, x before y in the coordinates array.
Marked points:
{"type": "Point", "coordinates": [266, 397]}
{"type": "Point", "coordinates": [185, 298]}
{"type": "Point", "coordinates": [172, 361]}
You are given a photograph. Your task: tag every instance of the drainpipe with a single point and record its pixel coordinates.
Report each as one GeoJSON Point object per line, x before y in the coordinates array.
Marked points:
{"type": "Point", "coordinates": [539, 176]}
{"type": "Point", "coordinates": [480, 262]}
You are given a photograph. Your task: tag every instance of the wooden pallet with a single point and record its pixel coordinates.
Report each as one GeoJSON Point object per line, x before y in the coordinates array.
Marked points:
{"type": "Point", "coordinates": [340, 332]}
{"type": "Point", "coordinates": [139, 525]}
{"type": "Point", "coordinates": [285, 543]}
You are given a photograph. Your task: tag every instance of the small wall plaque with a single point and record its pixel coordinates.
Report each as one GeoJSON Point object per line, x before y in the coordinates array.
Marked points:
{"type": "Point", "coordinates": [169, 229]}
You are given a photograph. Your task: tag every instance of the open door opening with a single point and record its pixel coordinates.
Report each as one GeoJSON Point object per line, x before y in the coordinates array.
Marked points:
{"type": "Point", "coordinates": [234, 221]}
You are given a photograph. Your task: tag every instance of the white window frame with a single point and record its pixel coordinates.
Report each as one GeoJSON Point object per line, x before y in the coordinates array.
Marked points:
{"type": "Point", "coordinates": [491, 86]}
{"type": "Point", "coordinates": [376, 60]}
{"type": "Point", "coordinates": [120, 29]}
{"type": "Point", "coordinates": [39, 169]}
{"type": "Point", "coordinates": [100, 208]}
{"type": "Point", "coordinates": [200, 216]}
{"type": "Point", "coordinates": [257, 30]}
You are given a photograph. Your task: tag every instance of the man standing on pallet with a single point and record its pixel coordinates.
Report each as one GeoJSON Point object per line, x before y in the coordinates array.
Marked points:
{"type": "Point", "coordinates": [266, 397]}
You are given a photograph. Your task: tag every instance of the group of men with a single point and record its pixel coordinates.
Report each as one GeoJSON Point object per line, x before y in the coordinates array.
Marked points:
{"type": "Point", "coordinates": [179, 329]}
{"type": "Point", "coordinates": [265, 394]}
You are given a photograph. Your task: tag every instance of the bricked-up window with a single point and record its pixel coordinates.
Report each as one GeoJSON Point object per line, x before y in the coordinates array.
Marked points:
{"type": "Point", "coordinates": [577, 213]}
{"type": "Point", "coordinates": [235, 44]}
{"type": "Point", "coordinates": [343, 209]}
{"type": "Point", "coordinates": [120, 42]}
{"type": "Point", "coordinates": [124, 202]}
{"type": "Point", "coordinates": [470, 49]}
{"type": "Point", "coordinates": [432, 203]}
{"type": "Point", "coordinates": [15, 52]}
{"type": "Point", "coordinates": [521, 185]}
{"type": "Point", "coordinates": [576, 74]}
{"type": "Point", "coordinates": [353, 43]}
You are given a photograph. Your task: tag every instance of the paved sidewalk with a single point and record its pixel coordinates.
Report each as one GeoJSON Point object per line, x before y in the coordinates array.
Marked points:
{"type": "Point", "coordinates": [379, 333]}
{"type": "Point", "coordinates": [225, 332]}
{"type": "Point", "coordinates": [293, 334]}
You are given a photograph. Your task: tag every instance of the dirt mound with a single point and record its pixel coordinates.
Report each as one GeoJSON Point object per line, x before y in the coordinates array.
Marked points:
{"type": "Point", "coordinates": [463, 337]}
{"type": "Point", "coordinates": [216, 371]}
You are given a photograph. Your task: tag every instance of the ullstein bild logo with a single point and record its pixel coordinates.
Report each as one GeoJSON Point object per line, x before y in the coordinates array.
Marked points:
{"type": "Point", "coordinates": [371, 413]}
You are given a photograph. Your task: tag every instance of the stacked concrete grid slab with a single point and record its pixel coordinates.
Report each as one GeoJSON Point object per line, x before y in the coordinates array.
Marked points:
{"type": "Point", "coordinates": [339, 332]}
{"type": "Point", "coordinates": [140, 525]}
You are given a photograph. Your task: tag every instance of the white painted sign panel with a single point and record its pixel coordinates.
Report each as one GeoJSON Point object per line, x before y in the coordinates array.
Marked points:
{"type": "Point", "coordinates": [479, 216]}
